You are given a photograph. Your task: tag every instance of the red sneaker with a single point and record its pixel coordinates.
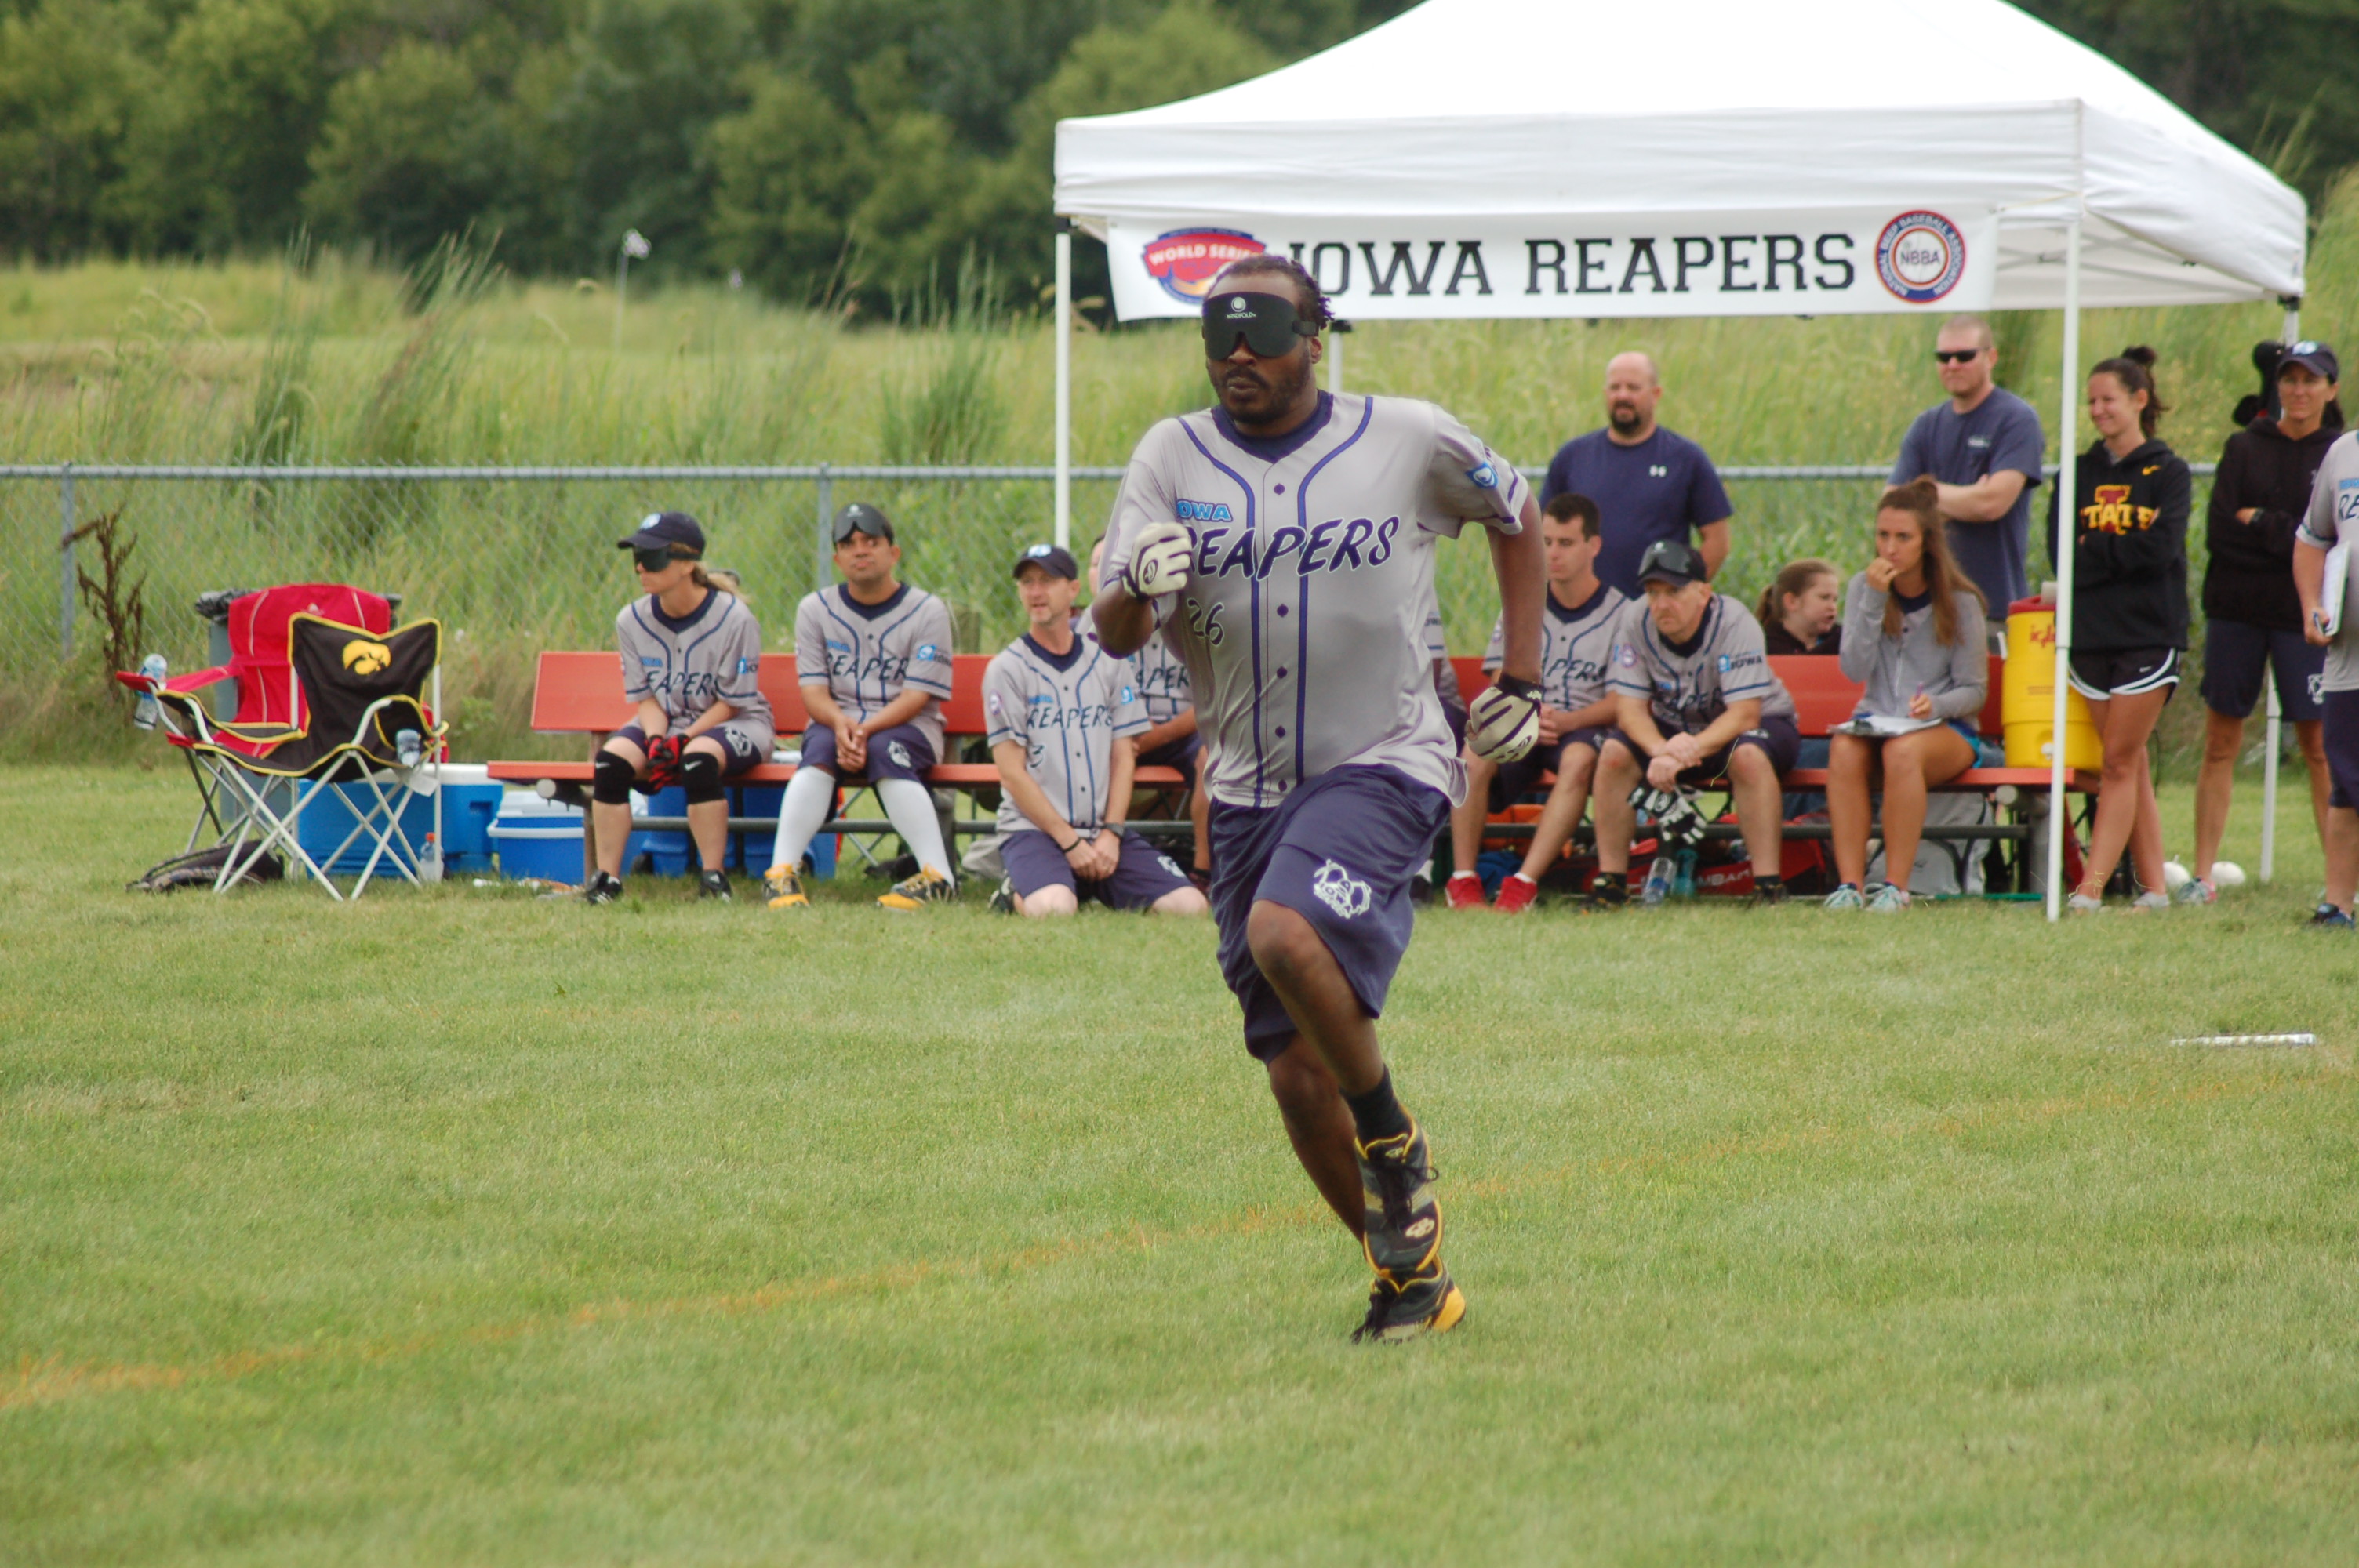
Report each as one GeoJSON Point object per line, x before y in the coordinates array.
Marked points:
{"type": "Point", "coordinates": [1516, 894]}
{"type": "Point", "coordinates": [1464, 890]}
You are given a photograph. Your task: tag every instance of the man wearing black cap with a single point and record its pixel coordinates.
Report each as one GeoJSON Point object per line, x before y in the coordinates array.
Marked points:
{"type": "Point", "coordinates": [1064, 718]}
{"type": "Point", "coordinates": [692, 661]}
{"type": "Point", "coordinates": [873, 658]}
{"type": "Point", "coordinates": [2252, 613]}
{"type": "Point", "coordinates": [1696, 701]}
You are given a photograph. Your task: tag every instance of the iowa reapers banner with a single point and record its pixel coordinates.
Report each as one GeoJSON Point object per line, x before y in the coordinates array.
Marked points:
{"type": "Point", "coordinates": [1721, 264]}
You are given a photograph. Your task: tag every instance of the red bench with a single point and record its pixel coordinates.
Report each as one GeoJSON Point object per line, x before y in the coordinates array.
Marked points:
{"type": "Point", "coordinates": [582, 693]}
{"type": "Point", "coordinates": [1824, 697]}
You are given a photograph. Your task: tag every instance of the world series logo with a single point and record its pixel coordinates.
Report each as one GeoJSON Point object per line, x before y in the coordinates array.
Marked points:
{"type": "Point", "coordinates": [1185, 261]}
{"type": "Point", "coordinates": [1920, 256]}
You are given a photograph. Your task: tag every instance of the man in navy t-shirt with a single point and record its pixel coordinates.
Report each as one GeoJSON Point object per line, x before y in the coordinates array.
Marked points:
{"type": "Point", "coordinates": [1983, 448]}
{"type": "Point", "coordinates": [1649, 483]}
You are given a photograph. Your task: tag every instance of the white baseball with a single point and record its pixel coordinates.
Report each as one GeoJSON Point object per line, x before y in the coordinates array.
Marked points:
{"type": "Point", "coordinates": [2227, 874]}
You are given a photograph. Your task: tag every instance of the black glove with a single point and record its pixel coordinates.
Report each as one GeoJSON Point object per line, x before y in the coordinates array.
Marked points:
{"type": "Point", "coordinates": [1677, 824]}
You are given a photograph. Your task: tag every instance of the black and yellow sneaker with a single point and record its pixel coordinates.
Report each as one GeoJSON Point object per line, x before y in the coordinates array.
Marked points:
{"type": "Point", "coordinates": [1414, 1294]}
{"type": "Point", "coordinates": [785, 886]}
{"type": "Point", "coordinates": [1608, 890]}
{"type": "Point", "coordinates": [928, 886]}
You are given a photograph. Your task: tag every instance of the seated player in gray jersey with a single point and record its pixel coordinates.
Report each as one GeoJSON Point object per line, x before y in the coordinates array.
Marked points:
{"type": "Point", "coordinates": [1173, 738]}
{"type": "Point", "coordinates": [1914, 635]}
{"type": "Point", "coordinates": [1065, 716]}
{"type": "Point", "coordinates": [1283, 543]}
{"type": "Point", "coordinates": [1696, 701]}
{"type": "Point", "coordinates": [873, 658]}
{"type": "Point", "coordinates": [692, 663]}
{"type": "Point", "coordinates": [1577, 712]}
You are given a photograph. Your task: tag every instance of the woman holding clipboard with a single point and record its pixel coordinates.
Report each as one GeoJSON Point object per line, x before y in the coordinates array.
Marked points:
{"type": "Point", "coordinates": [1913, 634]}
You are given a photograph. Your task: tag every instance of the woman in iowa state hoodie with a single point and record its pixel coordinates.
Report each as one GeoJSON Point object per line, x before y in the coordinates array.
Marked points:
{"type": "Point", "coordinates": [2131, 498]}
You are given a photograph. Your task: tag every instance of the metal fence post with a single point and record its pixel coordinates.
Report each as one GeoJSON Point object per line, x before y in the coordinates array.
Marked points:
{"type": "Point", "coordinates": [66, 564]}
{"type": "Point", "coordinates": [826, 516]}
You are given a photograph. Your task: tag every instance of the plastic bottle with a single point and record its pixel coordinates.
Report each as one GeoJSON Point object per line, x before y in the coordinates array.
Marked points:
{"type": "Point", "coordinates": [150, 712]}
{"type": "Point", "coordinates": [1683, 875]}
{"type": "Point", "coordinates": [1658, 880]}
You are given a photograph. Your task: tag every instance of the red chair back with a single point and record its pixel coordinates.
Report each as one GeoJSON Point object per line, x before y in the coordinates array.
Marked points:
{"type": "Point", "coordinates": [266, 692]}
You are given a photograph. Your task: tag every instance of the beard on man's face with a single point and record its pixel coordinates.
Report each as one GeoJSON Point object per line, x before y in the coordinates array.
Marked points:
{"type": "Point", "coordinates": [1623, 417]}
{"type": "Point", "coordinates": [1259, 390]}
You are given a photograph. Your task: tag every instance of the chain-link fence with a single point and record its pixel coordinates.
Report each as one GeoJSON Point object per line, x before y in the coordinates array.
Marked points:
{"type": "Point", "coordinates": [512, 559]}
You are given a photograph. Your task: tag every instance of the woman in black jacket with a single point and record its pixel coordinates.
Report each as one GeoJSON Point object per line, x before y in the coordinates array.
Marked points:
{"type": "Point", "coordinates": [2131, 498]}
{"type": "Point", "coordinates": [2251, 612]}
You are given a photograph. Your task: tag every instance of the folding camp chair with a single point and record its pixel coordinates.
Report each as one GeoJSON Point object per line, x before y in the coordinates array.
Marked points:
{"type": "Point", "coordinates": [260, 674]}
{"type": "Point", "coordinates": [367, 704]}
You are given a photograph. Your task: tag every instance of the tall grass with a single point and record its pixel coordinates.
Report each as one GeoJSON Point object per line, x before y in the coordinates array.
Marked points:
{"type": "Point", "coordinates": [316, 357]}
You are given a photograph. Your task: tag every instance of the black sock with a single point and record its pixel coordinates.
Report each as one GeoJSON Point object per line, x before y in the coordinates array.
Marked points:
{"type": "Point", "coordinates": [1376, 1114]}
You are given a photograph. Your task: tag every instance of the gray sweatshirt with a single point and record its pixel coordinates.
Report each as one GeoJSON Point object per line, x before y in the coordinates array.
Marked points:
{"type": "Point", "coordinates": [1895, 669]}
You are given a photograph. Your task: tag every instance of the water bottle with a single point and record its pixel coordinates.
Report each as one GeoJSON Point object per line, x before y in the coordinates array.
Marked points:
{"type": "Point", "coordinates": [407, 748]}
{"type": "Point", "coordinates": [1659, 880]}
{"type": "Point", "coordinates": [1683, 875]}
{"type": "Point", "coordinates": [430, 860]}
{"type": "Point", "coordinates": [150, 712]}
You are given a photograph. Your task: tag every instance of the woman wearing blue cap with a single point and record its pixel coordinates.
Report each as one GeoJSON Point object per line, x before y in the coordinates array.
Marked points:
{"type": "Point", "coordinates": [691, 663]}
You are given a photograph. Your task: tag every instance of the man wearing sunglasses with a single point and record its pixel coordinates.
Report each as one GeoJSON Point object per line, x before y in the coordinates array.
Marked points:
{"type": "Point", "coordinates": [873, 658]}
{"type": "Point", "coordinates": [1283, 542]}
{"type": "Point", "coordinates": [1983, 448]}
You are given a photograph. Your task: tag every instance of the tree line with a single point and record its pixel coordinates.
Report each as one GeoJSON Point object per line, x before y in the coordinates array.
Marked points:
{"type": "Point", "coordinates": [829, 151]}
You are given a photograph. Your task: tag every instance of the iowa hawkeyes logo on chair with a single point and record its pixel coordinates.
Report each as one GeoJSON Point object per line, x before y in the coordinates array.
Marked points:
{"type": "Point", "coordinates": [363, 657]}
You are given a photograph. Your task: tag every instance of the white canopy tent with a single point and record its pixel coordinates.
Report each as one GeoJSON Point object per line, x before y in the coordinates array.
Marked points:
{"type": "Point", "coordinates": [1575, 157]}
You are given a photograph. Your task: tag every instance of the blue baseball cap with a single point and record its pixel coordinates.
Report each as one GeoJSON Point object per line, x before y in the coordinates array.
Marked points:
{"type": "Point", "coordinates": [674, 530]}
{"type": "Point", "coordinates": [2315, 356]}
{"type": "Point", "coordinates": [1049, 558]}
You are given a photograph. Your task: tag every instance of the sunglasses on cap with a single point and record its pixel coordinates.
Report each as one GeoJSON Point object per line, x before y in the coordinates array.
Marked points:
{"type": "Point", "coordinates": [657, 558]}
{"type": "Point", "coordinates": [1269, 325]}
{"type": "Point", "coordinates": [1956, 356]}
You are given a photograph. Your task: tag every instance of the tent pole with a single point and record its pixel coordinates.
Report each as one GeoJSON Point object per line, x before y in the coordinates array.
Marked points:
{"type": "Point", "coordinates": [2059, 820]}
{"type": "Point", "coordinates": [2276, 716]}
{"type": "Point", "coordinates": [1334, 364]}
{"type": "Point", "coordinates": [1064, 385]}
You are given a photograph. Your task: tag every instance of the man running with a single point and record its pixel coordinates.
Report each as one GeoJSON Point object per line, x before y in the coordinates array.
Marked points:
{"type": "Point", "coordinates": [1283, 542]}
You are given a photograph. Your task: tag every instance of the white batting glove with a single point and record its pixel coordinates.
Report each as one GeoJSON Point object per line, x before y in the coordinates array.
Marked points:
{"type": "Point", "coordinates": [1503, 722]}
{"type": "Point", "coordinates": [1160, 555]}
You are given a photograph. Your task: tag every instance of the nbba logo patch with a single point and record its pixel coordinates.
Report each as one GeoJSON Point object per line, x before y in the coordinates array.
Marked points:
{"type": "Point", "coordinates": [1340, 891]}
{"type": "Point", "coordinates": [1185, 261]}
{"type": "Point", "coordinates": [1920, 256]}
{"type": "Point", "coordinates": [363, 657]}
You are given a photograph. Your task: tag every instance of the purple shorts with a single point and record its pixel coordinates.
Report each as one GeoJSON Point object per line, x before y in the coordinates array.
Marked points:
{"type": "Point", "coordinates": [1519, 778]}
{"type": "Point", "coordinates": [1775, 738]}
{"type": "Point", "coordinates": [900, 753]}
{"type": "Point", "coordinates": [2341, 709]}
{"type": "Point", "coordinates": [1144, 874]}
{"type": "Point", "coordinates": [740, 748]}
{"type": "Point", "coordinates": [1340, 853]}
{"type": "Point", "coordinates": [2237, 658]}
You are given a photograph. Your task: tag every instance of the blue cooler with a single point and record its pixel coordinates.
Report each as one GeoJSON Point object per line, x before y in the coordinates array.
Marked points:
{"type": "Point", "coordinates": [672, 852]}
{"type": "Point", "coordinates": [331, 812]}
{"type": "Point", "coordinates": [471, 800]}
{"type": "Point", "coordinates": [751, 851]}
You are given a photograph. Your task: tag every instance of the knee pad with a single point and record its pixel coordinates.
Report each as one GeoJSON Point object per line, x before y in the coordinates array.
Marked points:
{"type": "Point", "coordinates": [699, 775]}
{"type": "Point", "coordinates": [610, 780]}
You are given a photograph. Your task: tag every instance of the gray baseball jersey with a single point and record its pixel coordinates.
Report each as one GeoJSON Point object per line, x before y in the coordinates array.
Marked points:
{"type": "Point", "coordinates": [1302, 623]}
{"type": "Point", "coordinates": [1724, 662]}
{"type": "Point", "coordinates": [687, 665]}
{"type": "Point", "coordinates": [1162, 678]}
{"type": "Point", "coordinates": [865, 653]}
{"type": "Point", "coordinates": [1068, 712]}
{"type": "Point", "coordinates": [1576, 648]}
{"type": "Point", "coordinates": [2333, 517]}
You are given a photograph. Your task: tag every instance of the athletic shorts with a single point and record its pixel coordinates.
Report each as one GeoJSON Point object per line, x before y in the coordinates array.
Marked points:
{"type": "Point", "coordinates": [2124, 672]}
{"type": "Point", "coordinates": [900, 753]}
{"type": "Point", "coordinates": [1775, 738]}
{"type": "Point", "coordinates": [1340, 853]}
{"type": "Point", "coordinates": [1519, 778]}
{"type": "Point", "coordinates": [1180, 754]}
{"type": "Point", "coordinates": [2236, 657]}
{"type": "Point", "coordinates": [742, 746]}
{"type": "Point", "coordinates": [1144, 875]}
{"type": "Point", "coordinates": [2341, 711]}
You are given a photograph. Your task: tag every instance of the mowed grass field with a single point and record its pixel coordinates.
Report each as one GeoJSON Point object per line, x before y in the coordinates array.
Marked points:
{"type": "Point", "coordinates": [470, 1229]}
